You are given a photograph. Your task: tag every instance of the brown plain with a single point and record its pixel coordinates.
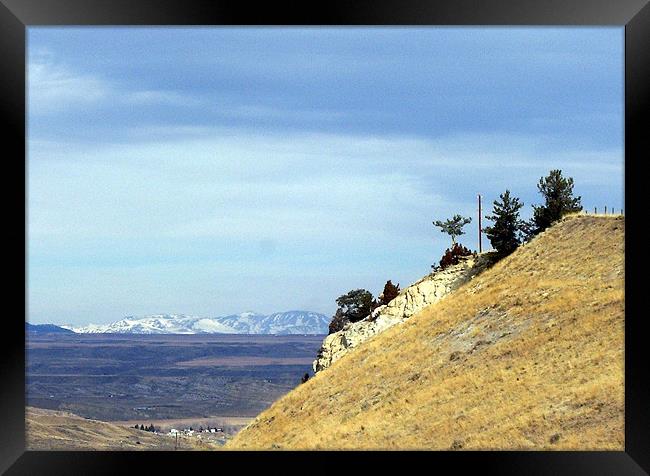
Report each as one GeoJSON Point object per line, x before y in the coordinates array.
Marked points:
{"type": "Point", "coordinates": [62, 431]}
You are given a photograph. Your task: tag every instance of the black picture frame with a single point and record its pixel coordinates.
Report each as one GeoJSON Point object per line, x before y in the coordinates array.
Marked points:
{"type": "Point", "coordinates": [17, 15]}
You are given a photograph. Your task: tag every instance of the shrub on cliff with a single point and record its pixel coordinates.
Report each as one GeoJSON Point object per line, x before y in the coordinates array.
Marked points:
{"type": "Point", "coordinates": [390, 292]}
{"type": "Point", "coordinates": [453, 254]}
{"type": "Point", "coordinates": [353, 306]}
{"type": "Point", "coordinates": [338, 322]}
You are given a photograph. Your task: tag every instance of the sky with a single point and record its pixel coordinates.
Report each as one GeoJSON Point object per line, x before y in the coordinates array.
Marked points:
{"type": "Point", "coordinates": [210, 171]}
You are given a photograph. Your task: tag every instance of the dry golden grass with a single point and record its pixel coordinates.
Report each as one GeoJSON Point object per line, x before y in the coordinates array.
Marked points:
{"type": "Point", "coordinates": [528, 355]}
{"type": "Point", "coordinates": [61, 431]}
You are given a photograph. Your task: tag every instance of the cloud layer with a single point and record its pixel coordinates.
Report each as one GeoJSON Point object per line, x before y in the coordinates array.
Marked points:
{"type": "Point", "coordinates": [273, 169]}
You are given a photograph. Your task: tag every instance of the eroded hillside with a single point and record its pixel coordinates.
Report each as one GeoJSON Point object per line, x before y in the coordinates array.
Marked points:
{"type": "Point", "coordinates": [528, 355]}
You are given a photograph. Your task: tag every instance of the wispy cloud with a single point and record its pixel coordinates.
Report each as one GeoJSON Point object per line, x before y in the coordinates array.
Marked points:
{"type": "Point", "coordinates": [53, 86]}
{"type": "Point", "coordinates": [161, 97]}
{"type": "Point", "coordinates": [235, 184]}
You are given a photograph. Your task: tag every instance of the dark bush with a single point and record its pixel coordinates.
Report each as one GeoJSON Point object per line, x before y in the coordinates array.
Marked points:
{"type": "Point", "coordinates": [390, 292]}
{"type": "Point", "coordinates": [453, 254]}
{"type": "Point", "coordinates": [338, 322]}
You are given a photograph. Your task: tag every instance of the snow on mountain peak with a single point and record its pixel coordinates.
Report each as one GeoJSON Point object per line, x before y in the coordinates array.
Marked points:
{"type": "Point", "coordinates": [249, 322]}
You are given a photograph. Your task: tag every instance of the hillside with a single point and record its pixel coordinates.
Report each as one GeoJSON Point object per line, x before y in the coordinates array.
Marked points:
{"type": "Point", "coordinates": [55, 430]}
{"type": "Point", "coordinates": [527, 355]}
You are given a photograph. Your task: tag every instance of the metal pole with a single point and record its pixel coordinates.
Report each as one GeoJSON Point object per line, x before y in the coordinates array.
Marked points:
{"type": "Point", "coordinates": [605, 209]}
{"type": "Point", "coordinates": [480, 248]}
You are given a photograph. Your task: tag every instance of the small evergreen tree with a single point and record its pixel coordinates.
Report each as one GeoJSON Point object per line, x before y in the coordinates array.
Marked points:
{"type": "Point", "coordinates": [142, 427]}
{"type": "Point", "coordinates": [558, 201]}
{"type": "Point", "coordinates": [453, 226]}
{"type": "Point", "coordinates": [353, 306]}
{"type": "Point", "coordinates": [304, 378]}
{"type": "Point", "coordinates": [356, 304]}
{"type": "Point", "coordinates": [505, 234]}
{"type": "Point", "coordinates": [390, 292]}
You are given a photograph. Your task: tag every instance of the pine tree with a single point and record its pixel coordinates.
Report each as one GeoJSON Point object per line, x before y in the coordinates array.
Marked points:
{"type": "Point", "coordinates": [453, 226]}
{"type": "Point", "coordinates": [558, 201]}
{"type": "Point", "coordinates": [505, 234]}
{"type": "Point", "coordinates": [355, 305]}
{"type": "Point", "coordinates": [352, 307]}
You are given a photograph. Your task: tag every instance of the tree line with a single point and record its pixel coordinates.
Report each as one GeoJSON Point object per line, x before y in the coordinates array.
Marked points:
{"type": "Point", "coordinates": [507, 232]}
{"type": "Point", "coordinates": [145, 428]}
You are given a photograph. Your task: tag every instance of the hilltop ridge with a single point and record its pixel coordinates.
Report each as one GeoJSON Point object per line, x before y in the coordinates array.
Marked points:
{"type": "Point", "coordinates": [527, 355]}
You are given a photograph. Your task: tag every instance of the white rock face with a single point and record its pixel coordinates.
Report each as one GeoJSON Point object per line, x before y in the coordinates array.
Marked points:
{"type": "Point", "coordinates": [410, 301]}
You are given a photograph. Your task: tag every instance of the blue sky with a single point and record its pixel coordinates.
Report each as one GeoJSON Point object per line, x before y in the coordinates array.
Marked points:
{"type": "Point", "coordinates": [209, 171]}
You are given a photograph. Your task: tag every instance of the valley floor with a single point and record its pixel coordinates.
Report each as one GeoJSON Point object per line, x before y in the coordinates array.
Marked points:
{"type": "Point", "coordinates": [63, 431]}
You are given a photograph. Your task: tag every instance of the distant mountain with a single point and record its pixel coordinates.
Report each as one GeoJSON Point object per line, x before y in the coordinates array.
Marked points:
{"type": "Point", "coordinates": [46, 329]}
{"type": "Point", "coordinates": [289, 322]}
{"type": "Point", "coordinates": [279, 323]}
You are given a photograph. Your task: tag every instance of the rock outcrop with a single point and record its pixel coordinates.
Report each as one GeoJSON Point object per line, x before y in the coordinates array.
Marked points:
{"type": "Point", "coordinates": [411, 300]}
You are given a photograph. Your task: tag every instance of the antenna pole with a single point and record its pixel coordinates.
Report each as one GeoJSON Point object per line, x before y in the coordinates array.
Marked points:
{"type": "Point", "coordinates": [480, 248]}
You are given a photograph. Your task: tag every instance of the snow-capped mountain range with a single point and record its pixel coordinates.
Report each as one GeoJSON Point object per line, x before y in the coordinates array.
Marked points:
{"type": "Point", "coordinates": [289, 322]}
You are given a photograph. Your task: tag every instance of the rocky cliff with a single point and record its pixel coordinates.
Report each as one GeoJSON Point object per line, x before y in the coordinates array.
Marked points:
{"type": "Point", "coordinates": [410, 301]}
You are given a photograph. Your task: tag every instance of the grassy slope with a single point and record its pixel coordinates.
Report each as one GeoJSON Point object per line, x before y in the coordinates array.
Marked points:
{"type": "Point", "coordinates": [528, 355]}
{"type": "Point", "coordinates": [54, 430]}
